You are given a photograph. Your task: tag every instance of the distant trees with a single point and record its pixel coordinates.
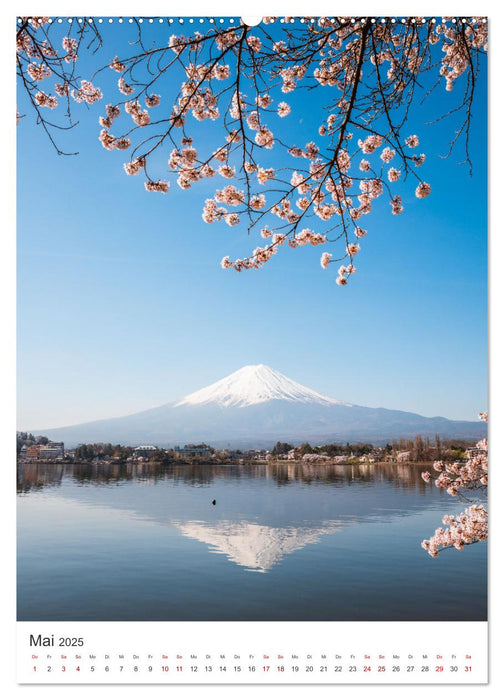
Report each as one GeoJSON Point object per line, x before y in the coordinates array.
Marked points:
{"type": "Point", "coordinates": [357, 449]}
{"type": "Point", "coordinates": [417, 449]}
{"type": "Point", "coordinates": [421, 450]}
{"type": "Point", "coordinates": [28, 439]}
{"type": "Point", "coordinates": [281, 448]}
{"type": "Point", "coordinates": [86, 453]}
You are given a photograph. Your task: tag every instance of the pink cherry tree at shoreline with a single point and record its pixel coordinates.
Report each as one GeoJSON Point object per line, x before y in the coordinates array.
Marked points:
{"type": "Point", "coordinates": [239, 79]}
{"type": "Point", "coordinates": [468, 482]}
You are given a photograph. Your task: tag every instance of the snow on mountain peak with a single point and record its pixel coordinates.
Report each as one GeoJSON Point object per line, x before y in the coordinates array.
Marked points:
{"type": "Point", "coordinates": [254, 384]}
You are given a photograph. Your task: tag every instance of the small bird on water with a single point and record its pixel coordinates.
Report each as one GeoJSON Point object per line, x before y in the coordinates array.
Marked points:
{"type": "Point", "coordinates": [214, 502]}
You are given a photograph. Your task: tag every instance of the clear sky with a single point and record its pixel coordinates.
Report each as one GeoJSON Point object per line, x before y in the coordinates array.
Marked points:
{"type": "Point", "coordinates": [122, 304]}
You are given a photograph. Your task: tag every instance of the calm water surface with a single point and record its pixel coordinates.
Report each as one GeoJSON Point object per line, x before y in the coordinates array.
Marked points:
{"type": "Point", "coordinates": [289, 542]}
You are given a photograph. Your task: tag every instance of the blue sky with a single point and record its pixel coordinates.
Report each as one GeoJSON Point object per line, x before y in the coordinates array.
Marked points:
{"type": "Point", "coordinates": [122, 304]}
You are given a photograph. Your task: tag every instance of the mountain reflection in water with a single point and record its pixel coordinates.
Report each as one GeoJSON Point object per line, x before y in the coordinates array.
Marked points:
{"type": "Point", "coordinates": [145, 542]}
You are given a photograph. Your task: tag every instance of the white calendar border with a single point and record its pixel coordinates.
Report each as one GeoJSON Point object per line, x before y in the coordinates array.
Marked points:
{"type": "Point", "coordinates": [7, 281]}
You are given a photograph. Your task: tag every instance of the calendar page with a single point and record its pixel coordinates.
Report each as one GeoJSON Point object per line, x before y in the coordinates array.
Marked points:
{"type": "Point", "coordinates": [252, 327]}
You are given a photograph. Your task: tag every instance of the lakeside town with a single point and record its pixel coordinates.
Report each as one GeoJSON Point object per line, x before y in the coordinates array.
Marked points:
{"type": "Point", "coordinates": [31, 449]}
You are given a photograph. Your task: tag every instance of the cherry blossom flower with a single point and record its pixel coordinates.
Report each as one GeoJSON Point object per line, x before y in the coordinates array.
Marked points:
{"type": "Point", "coordinates": [117, 65]}
{"type": "Point", "coordinates": [38, 71]}
{"type": "Point", "coordinates": [124, 87]}
{"type": "Point", "coordinates": [412, 141]}
{"type": "Point", "coordinates": [257, 201]}
{"type": "Point", "coordinates": [370, 143]}
{"type": "Point", "coordinates": [134, 166]}
{"type": "Point", "coordinates": [254, 43]}
{"type": "Point", "coordinates": [152, 100]}
{"type": "Point", "coordinates": [423, 190]}
{"type": "Point", "coordinates": [283, 109]}
{"type": "Point", "coordinates": [387, 154]}
{"type": "Point", "coordinates": [397, 207]}
{"type": "Point", "coordinates": [325, 260]}
{"type": "Point", "coordinates": [232, 219]}
{"type": "Point", "coordinates": [393, 174]}
{"type": "Point", "coordinates": [226, 171]}
{"type": "Point", "coordinates": [44, 100]}
{"type": "Point", "coordinates": [159, 186]}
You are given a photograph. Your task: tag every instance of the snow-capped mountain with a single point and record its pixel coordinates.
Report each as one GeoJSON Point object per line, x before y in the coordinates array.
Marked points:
{"type": "Point", "coordinates": [255, 384]}
{"type": "Point", "coordinates": [254, 407]}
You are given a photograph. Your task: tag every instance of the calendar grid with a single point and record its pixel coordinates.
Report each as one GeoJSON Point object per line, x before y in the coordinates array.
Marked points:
{"type": "Point", "coordinates": [279, 653]}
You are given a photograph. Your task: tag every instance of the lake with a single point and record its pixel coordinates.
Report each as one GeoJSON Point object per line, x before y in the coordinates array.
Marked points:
{"type": "Point", "coordinates": [282, 542]}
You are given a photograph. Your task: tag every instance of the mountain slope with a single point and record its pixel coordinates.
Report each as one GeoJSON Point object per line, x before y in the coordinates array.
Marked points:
{"type": "Point", "coordinates": [255, 407]}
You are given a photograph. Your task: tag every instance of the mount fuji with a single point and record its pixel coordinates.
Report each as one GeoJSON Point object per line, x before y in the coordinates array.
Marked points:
{"type": "Point", "coordinates": [254, 407]}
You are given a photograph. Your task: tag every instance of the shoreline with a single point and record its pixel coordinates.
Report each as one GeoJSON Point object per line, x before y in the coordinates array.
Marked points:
{"type": "Point", "coordinates": [230, 463]}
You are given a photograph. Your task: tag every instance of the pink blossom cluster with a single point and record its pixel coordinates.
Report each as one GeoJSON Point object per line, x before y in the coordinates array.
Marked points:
{"type": "Point", "coordinates": [159, 186]}
{"type": "Point", "coordinates": [212, 212]}
{"type": "Point", "coordinates": [254, 43]}
{"type": "Point", "coordinates": [263, 101]}
{"type": "Point", "coordinates": [456, 60]}
{"type": "Point", "coordinates": [226, 39]}
{"type": "Point", "coordinates": [87, 93]}
{"type": "Point", "coordinates": [117, 65]}
{"type": "Point", "coordinates": [291, 75]}
{"type": "Point", "coordinates": [110, 142]}
{"type": "Point", "coordinates": [418, 160]}
{"type": "Point", "coordinates": [462, 479]}
{"type": "Point", "coordinates": [124, 87]}
{"type": "Point", "coordinates": [257, 201]}
{"type": "Point", "coordinates": [141, 117]}
{"type": "Point", "coordinates": [423, 190]}
{"type": "Point", "coordinates": [153, 100]}
{"type": "Point", "coordinates": [230, 196]}
{"type": "Point", "coordinates": [370, 143]}
{"type": "Point", "coordinates": [393, 174]}
{"type": "Point", "coordinates": [337, 185]}
{"type": "Point", "coordinates": [344, 272]}
{"type": "Point", "coordinates": [70, 46]}
{"type": "Point", "coordinates": [283, 109]}
{"type": "Point", "coordinates": [201, 102]}
{"type": "Point", "coordinates": [412, 141]}
{"type": "Point", "coordinates": [387, 154]}
{"type": "Point", "coordinates": [177, 43]}
{"type": "Point", "coordinates": [38, 71]}
{"type": "Point", "coordinates": [62, 89]}
{"type": "Point", "coordinates": [397, 207]}
{"type": "Point", "coordinates": [468, 527]}
{"type": "Point", "coordinates": [112, 113]}
{"type": "Point", "coordinates": [220, 72]}
{"type": "Point", "coordinates": [135, 166]}
{"type": "Point", "coordinates": [325, 260]}
{"type": "Point", "coordinates": [265, 174]}
{"type": "Point", "coordinates": [44, 100]}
